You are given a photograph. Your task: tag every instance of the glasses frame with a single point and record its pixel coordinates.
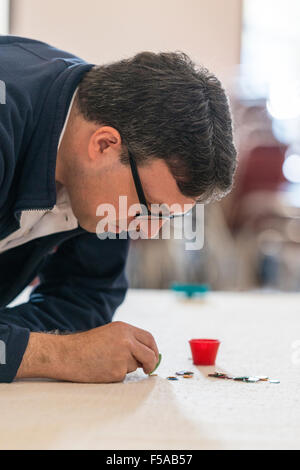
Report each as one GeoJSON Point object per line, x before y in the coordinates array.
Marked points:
{"type": "Point", "coordinates": [141, 195]}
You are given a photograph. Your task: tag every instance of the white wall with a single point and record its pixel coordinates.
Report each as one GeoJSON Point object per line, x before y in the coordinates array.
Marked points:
{"type": "Point", "coordinates": [4, 16]}
{"type": "Point", "coordinates": [102, 31]}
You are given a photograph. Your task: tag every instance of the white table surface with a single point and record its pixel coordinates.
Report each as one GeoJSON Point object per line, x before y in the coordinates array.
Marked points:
{"type": "Point", "coordinates": [257, 333]}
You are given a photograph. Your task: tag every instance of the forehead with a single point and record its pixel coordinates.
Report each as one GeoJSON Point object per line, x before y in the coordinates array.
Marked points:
{"type": "Point", "coordinates": [160, 186]}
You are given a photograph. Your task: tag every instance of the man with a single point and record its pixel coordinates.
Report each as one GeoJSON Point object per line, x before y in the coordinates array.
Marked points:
{"type": "Point", "coordinates": [152, 128]}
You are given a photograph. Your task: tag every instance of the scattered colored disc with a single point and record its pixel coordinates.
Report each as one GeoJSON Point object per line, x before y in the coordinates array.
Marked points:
{"type": "Point", "coordinates": [218, 375]}
{"type": "Point", "coordinates": [184, 372]}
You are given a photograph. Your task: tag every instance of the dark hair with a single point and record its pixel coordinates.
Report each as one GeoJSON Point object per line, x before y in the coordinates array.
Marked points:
{"type": "Point", "coordinates": [166, 107]}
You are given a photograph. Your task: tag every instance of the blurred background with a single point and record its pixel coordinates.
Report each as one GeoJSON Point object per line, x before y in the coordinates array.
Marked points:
{"type": "Point", "coordinates": [252, 237]}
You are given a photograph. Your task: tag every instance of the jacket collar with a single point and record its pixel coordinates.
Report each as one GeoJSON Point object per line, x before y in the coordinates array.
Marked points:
{"type": "Point", "coordinates": [37, 188]}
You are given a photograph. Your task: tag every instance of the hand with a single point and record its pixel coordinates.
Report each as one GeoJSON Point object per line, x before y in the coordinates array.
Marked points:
{"type": "Point", "coordinates": [102, 355]}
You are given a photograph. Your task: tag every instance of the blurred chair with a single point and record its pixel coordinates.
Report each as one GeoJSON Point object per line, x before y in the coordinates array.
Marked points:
{"type": "Point", "coordinates": [260, 172]}
{"type": "Point", "coordinates": [259, 221]}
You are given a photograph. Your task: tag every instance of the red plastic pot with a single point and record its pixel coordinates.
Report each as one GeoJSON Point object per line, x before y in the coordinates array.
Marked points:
{"type": "Point", "coordinates": [204, 351]}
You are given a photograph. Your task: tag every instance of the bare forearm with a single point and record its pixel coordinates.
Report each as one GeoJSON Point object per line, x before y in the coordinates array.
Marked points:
{"type": "Point", "coordinates": [45, 357]}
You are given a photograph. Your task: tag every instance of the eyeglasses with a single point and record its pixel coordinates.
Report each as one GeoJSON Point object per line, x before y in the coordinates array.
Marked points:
{"type": "Point", "coordinates": [146, 213]}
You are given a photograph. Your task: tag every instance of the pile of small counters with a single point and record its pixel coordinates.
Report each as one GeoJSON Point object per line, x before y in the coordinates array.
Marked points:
{"type": "Point", "coordinates": [186, 374]}
{"type": "Point", "coordinates": [247, 379]}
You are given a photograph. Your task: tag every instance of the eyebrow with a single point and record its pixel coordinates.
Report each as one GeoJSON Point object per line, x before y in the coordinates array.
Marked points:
{"type": "Point", "coordinates": [152, 200]}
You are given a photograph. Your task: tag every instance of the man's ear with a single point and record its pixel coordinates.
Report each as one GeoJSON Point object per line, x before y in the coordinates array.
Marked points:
{"type": "Point", "coordinates": [104, 143]}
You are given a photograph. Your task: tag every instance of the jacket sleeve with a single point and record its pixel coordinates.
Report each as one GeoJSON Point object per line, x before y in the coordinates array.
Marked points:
{"type": "Point", "coordinates": [81, 286]}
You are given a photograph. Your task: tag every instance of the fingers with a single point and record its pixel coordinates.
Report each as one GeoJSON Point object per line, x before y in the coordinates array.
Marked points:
{"type": "Point", "coordinates": [144, 355]}
{"type": "Point", "coordinates": [138, 347]}
{"type": "Point", "coordinates": [133, 364]}
{"type": "Point", "coordinates": [147, 339]}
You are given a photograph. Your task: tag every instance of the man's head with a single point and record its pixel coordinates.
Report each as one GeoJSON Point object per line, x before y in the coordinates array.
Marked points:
{"type": "Point", "coordinates": [171, 115]}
